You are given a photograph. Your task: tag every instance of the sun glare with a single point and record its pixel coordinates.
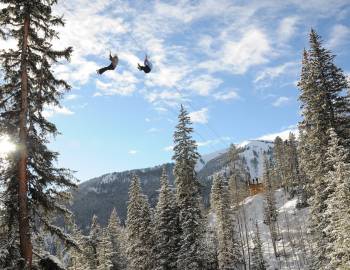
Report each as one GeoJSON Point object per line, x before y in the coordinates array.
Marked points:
{"type": "Point", "coordinates": [6, 146]}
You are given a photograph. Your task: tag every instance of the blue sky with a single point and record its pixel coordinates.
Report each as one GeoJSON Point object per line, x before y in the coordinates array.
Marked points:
{"type": "Point", "coordinates": [233, 64]}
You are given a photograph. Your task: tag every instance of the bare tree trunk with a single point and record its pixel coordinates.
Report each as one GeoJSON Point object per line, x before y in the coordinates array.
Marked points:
{"type": "Point", "coordinates": [280, 233]}
{"type": "Point", "coordinates": [297, 259]}
{"type": "Point", "coordinates": [241, 236]}
{"type": "Point", "coordinates": [273, 234]}
{"type": "Point", "coordinates": [24, 227]}
{"type": "Point", "coordinates": [246, 235]}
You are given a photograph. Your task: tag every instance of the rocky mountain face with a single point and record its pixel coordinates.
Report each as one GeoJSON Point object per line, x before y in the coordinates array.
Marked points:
{"type": "Point", "coordinates": [101, 194]}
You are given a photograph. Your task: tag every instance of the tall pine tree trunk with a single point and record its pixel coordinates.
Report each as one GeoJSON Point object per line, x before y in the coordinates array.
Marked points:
{"type": "Point", "coordinates": [24, 229]}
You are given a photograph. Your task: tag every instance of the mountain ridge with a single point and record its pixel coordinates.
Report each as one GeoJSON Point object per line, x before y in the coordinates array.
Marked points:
{"type": "Point", "coordinates": [99, 195]}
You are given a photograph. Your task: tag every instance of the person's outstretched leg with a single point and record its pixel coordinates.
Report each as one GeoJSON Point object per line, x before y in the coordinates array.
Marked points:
{"type": "Point", "coordinates": [102, 70]}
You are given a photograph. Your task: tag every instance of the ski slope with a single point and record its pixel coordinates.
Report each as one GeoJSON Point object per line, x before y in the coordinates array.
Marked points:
{"type": "Point", "coordinates": [293, 246]}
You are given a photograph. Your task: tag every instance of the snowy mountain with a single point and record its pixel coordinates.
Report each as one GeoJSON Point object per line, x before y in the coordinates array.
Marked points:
{"type": "Point", "coordinates": [253, 154]}
{"type": "Point", "coordinates": [101, 194]}
{"type": "Point", "coordinates": [252, 159]}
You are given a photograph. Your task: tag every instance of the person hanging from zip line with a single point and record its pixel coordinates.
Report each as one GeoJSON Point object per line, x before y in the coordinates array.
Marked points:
{"type": "Point", "coordinates": [114, 62]}
{"type": "Point", "coordinates": [147, 65]}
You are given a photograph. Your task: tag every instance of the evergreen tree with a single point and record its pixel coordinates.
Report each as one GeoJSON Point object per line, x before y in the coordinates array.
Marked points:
{"type": "Point", "coordinates": [270, 210]}
{"type": "Point", "coordinates": [116, 235]}
{"type": "Point", "coordinates": [293, 168]}
{"type": "Point", "coordinates": [78, 255]}
{"type": "Point", "coordinates": [190, 256]}
{"type": "Point", "coordinates": [92, 242]}
{"type": "Point", "coordinates": [105, 252]}
{"type": "Point", "coordinates": [279, 155]}
{"type": "Point", "coordinates": [229, 256]}
{"type": "Point", "coordinates": [31, 180]}
{"type": "Point", "coordinates": [167, 229]}
{"type": "Point", "coordinates": [337, 214]}
{"type": "Point", "coordinates": [270, 201]}
{"type": "Point", "coordinates": [238, 187]}
{"type": "Point", "coordinates": [210, 246]}
{"type": "Point", "coordinates": [286, 164]}
{"type": "Point", "coordinates": [258, 261]}
{"type": "Point", "coordinates": [140, 248]}
{"type": "Point", "coordinates": [325, 105]}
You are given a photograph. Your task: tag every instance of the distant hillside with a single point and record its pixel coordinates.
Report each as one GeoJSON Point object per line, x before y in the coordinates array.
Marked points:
{"type": "Point", "coordinates": [99, 195]}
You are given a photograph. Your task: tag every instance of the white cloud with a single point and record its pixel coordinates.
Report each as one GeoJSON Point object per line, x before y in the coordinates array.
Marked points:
{"type": "Point", "coordinates": [287, 28]}
{"type": "Point", "coordinates": [320, 8]}
{"type": "Point", "coordinates": [153, 130]}
{"type": "Point", "coordinates": [51, 110]}
{"type": "Point", "coordinates": [71, 97]}
{"type": "Point", "coordinates": [200, 117]}
{"type": "Point", "coordinates": [283, 134]}
{"type": "Point", "coordinates": [238, 56]}
{"type": "Point", "coordinates": [133, 152]}
{"type": "Point", "coordinates": [167, 76]}
{"type": "Point", "coordinates": [266, 76]}
{"type": "Point", "coordinates": [88, 37]}
{"type": "Point", "coordinates": [340, 36]}
{"type": "Point", "coordinates": [270, 73]}
{"type": "Point", "coordinates": [123, 84]}
{"type": "Point", "coordinates": [204, 84]}
{"type": "Point", "coordinates": [167, 97]}
{"type": "Point", "coordinates": [226, 95]}
{"type": "Point", "coordinates": [168, 148]}
{"type": "Point", "coordinates": [280, 101]}
{"type": "Point", "coordinates": [188, 11]}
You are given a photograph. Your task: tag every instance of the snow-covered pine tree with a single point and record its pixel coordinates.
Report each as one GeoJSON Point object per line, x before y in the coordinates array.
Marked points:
{"type": "Point", "coordinates": [39, 245]}
{"type": "Point", "coordinates": [337, 214]}
{"type": "Point", "coordinates": [304, 146]}
{"type": "Point", "coordinates": [105, 252]}
{"type": "Point", "coordinates": [167, 230]}
{"type": "Point", "coordinates": [238, 187]}
{"type": "Point", "coordinates": [286, 164]}
{"type": "Point", "coordinates": [210, 246]}
{"type": "Point", "coordinates": [279, 155]}
{"type": "Point", "coordinates": [270, 201]}
{"type": "Point", "coordinates": [258, 261]}
{"type": "Point", "coordinates": [92, 242]}
{"type": "Point", "coordinates": [190, 256]}
{"type": "Point", "coordinates": [270, 210]}
{"type": "Point", "coordinates": [140, 249]}
{"type": "Point", "coordinates": [298, 179]}
{"type": "Point", "coordinates": [117, 237]}
{"type": "Point", "coordinates": [325, 105]}
{"type": "Point", "coordinates": [78, 260]}
{"type": "Point", "coordinates": [229, 256]}
{"type": "Point", "coordinates": [28, 85]}
{"type": "Point", "coordinates": [293, 167]}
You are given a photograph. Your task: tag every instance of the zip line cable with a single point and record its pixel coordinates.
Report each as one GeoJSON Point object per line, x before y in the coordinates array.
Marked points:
{"type": "Point", "coordinates": [130, 34]}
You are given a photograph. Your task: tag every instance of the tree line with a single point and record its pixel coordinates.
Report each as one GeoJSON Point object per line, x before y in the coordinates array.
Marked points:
{"type": "Point", "coordinates": [178, 234]}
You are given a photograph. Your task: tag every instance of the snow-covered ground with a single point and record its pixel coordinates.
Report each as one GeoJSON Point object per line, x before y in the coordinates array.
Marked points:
{"type": "Point", "coordinates": [293, 247]}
